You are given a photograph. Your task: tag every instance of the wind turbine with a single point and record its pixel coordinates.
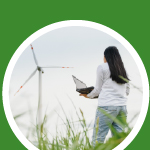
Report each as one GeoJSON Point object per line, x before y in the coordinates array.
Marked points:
{"type": "Point", "coordinates": [39, 119]}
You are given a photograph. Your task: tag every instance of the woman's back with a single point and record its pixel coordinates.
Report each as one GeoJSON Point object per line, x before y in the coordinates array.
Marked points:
{"type": "Point", "coordinates": [112, 93]}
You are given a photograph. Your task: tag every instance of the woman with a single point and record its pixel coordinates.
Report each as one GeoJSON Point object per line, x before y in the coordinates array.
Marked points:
{"type": "Point", "coordinates": [111, 91]}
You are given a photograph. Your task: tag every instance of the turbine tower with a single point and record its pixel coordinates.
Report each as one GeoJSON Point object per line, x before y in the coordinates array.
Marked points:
{"type": "Point", "coordinates": [39, 119]}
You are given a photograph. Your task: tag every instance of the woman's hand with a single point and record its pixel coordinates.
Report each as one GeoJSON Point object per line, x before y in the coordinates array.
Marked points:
{"type": "Point", "coordinates": [85, 95]}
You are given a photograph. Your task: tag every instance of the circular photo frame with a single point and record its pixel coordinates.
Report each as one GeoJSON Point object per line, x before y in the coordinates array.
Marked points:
{"type": "Point", "coordinates": [76, 23]}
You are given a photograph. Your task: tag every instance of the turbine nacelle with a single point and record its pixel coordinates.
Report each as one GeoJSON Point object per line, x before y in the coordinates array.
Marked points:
{"type": "Point", "coordinates": [40, 69]}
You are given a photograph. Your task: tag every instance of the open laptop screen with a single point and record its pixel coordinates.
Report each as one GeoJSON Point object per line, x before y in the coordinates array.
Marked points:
{"type": "Point", "coordinates": [79, 84]}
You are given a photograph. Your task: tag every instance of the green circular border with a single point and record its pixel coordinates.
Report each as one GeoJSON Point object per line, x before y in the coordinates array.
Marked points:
{"type": "Point", "coordinates": [21, 19]}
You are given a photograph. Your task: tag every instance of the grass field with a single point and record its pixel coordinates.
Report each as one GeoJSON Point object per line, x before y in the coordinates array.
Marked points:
{"type": "Point", "coordinates": [78, 139]}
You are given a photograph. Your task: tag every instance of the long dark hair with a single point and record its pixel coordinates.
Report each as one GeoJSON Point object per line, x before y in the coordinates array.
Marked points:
{"type": "Point", "coordinates": [116, 65]}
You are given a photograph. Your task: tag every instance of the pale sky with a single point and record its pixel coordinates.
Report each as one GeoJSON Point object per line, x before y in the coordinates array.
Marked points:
{"type": "Point", "coordinates": [78, 47]}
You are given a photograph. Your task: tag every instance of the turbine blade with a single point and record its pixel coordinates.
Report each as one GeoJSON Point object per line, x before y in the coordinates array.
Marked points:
{"type": "Point", "coordinates": [54, 67]}
{"type": "Point", "coordinates": [26, 81]}
{"type": "Point", "coordinates": [34, 55]}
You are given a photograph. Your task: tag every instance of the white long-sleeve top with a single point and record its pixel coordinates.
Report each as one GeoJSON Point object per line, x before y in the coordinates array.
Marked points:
{"type": "Point", "coordinates": [109, 92]}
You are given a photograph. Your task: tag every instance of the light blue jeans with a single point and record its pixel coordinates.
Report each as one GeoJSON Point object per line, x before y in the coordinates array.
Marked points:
{"type": "Point", "coordinates": [102, 120]}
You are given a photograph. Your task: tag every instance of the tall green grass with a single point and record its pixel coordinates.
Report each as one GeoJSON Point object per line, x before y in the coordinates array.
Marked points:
{"type": "Point", "coordinates": [75, 139]}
